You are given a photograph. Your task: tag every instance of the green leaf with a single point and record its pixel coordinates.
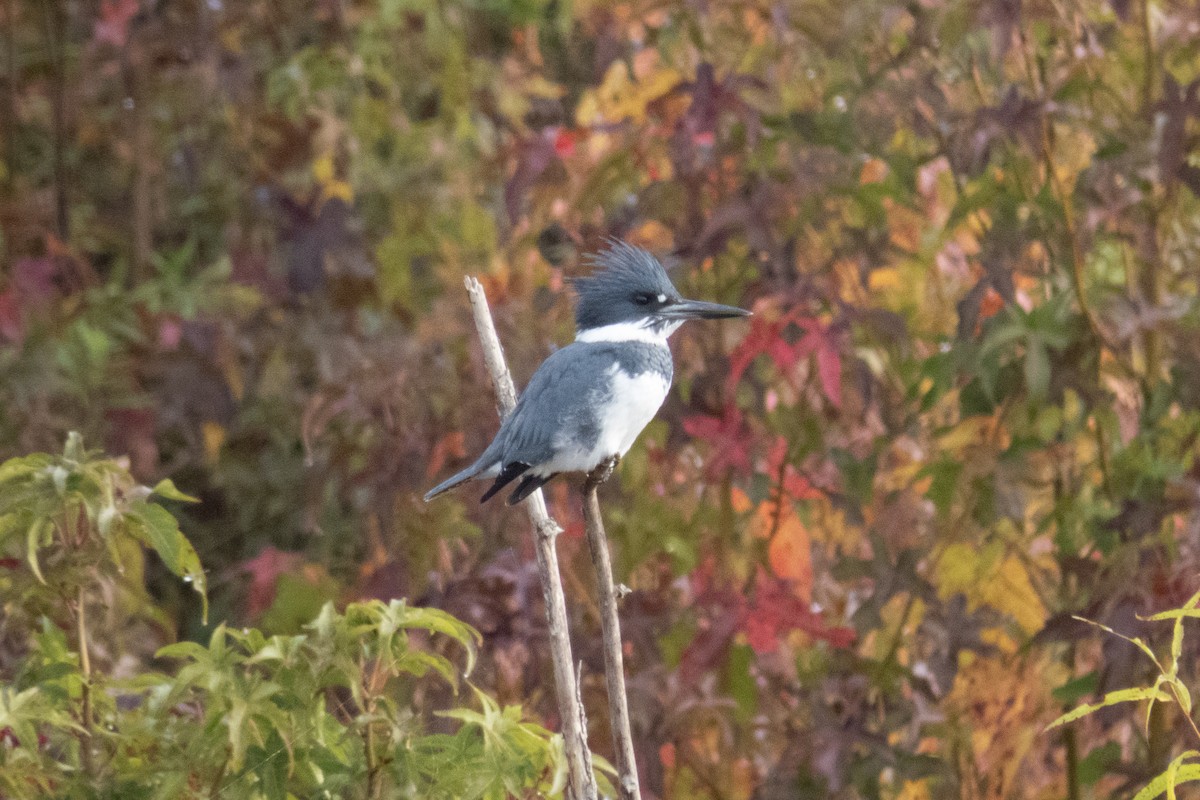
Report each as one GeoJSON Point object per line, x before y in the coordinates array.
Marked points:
{"type": "Point", "coordinates": [155, 527]}
{"type": "Point", "coordinates": [1173, 771]}
{"type": "Point", "coordinates": [1037, 368]}
{"type": "Point", "coordinates": [435, 620]}
{"type": "Point", "coordinates": [1073, 690]}
{"type": "Point", "coordinates": [1112, 698]}
{"type": "Point", "coordinates": [1168, 780]}
{"type": "Point", "coordinates": [188, 650]}
{"type": "Point", "coordinates": [166, 488]}
{"type": "Point", "coordinates": [24, 467]}
{"type": "Point", "coordinates": [1134, 640]}
{"type": "Point", "coordinates": [34, 539]}
{"type": "Point", "coordinates": [1175, 613]}
{"type": "Point", "coordinates": [73, 450]}
{"type": "Point", "coordinates": [1098, 762]}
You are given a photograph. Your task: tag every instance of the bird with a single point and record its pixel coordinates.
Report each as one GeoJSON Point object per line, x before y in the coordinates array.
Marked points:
{"type": "Point", "coordinates": [586, 404]}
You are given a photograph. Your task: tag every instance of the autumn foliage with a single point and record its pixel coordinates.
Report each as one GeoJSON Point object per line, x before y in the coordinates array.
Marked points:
{"type": "Point", "coordinates": [859, 533]}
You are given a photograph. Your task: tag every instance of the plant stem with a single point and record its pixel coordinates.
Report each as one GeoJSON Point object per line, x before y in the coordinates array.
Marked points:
{"type": "Point", "coordinates": [1147, 58]}
{"type": "Point", "coordinates": [1071, 744]}
{"type": "Point", "coordinates": [610, 625]}
{"type": "Point", "coordinates": [215, 788]}
{"type": "Point", "coordinates": [581, 782]}
{"type": "Point", "coordinates": [55, 31]}
{"type": "Point", "coordinates": [85, 667]}
{"type": "Point", "coordinates": [370, 687]}
{"type": "Point", "coordinates": [374, 775]}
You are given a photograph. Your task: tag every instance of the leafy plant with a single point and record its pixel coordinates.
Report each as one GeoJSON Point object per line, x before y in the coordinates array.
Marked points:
{"type": "Point", "coordinates": [1168, 687]}
{"type": "Point", "coordinates": [329, 712]}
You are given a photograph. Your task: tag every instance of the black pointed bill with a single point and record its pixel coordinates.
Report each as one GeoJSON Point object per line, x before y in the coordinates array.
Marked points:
{"type": "Point", "coordinates": [698, 309]}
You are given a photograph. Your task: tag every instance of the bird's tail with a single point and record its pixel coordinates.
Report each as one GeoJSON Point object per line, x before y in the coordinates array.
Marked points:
{"type": "Point", "coordinates": [454, 480]}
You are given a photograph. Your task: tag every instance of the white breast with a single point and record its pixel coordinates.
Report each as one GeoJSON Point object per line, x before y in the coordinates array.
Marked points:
{"type": "Point", "coordinates": [635, 401]}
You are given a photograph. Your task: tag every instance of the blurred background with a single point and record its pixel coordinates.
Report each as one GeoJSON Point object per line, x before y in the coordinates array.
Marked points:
{"type": "Point", "coordinates": [233, 236]}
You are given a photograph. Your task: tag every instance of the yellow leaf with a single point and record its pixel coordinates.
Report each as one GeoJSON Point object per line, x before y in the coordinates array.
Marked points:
{"type": "Point", "coordinates": [322, 169]}
{"type": "Point", "coordinates": [972, 432]}
{"type": "Point", "coordinates": [653, 235]}
{"type": "Point", "coordinates": [885, 279]}
{"type": "Point", "coordinates": [988, 577]}
{"type": "Point", "coordinates": [214, 436]}
{"type": "Point", "coordinates": [914, 790]}
{"type": "Point", "coordinates": [1011, 591]}
{"type": "Point", "coordinates": [621, 97]}
{"type": "Point", "coordinates": [339, 189]}
{"type": "Point", "coordinates": [325, 173]}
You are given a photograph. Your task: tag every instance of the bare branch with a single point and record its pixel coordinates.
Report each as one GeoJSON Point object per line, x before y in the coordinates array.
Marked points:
{"type": "Point", "coordinates": [581, 783]}
{"type": "Point", "coordinates": [610, 624]}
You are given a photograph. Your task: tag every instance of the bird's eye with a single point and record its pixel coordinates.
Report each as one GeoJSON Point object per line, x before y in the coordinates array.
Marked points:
{"type": "Point", "coordinates": [643, 299]}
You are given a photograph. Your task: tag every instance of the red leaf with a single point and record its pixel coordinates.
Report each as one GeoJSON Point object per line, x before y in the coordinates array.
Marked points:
{"type": "Point", "coordinates": [34, 280]}
{"type": "Point", "coordinates": [775, 611]}
{"type": "Point", "coordinates": [265, 569]}
{"type": "Point", "coordinates": [708, 648]}
{"type": "Point", "coordinates": [728, 435]}
{"type": "Point", "coordinates": [766, 619]}
{"type": "Point", "coordinates": [12, 325]}
{"type": "Point", "coordinates": [820, 340]}
{"type": "Point", "coordinates": [829, 368]}
{"type": "Point", "coordinates": [795, 485]}
{"type": "Point", "coordinates": [565, 141]}
{"type": "Point", "coordinates": [764, 338]}
{"type": "Point", "coordinates": [666, 755]}
{"type": "Point", "coordinates": [113, 25]}
{"type": "Point", "coordinates": [767, 338]}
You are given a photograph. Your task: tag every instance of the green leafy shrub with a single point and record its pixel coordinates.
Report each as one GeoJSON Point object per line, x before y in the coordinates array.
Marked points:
{"type": "Point", "coordinates": [330, 712]}
{"type": "Point", "coordinates": [1169, 687]}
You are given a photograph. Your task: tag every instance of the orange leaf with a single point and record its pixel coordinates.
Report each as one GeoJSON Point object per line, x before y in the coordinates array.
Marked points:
{"type": "Point", "coordinates": [740, 502]}
{"type": "Point", "coordinates": [451, 445]}
{"type": "Point", "coordinates": [790, 555]}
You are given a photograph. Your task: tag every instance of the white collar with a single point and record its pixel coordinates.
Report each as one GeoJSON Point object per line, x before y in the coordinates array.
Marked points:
{"type": "Point", "coordinates": [641, 331]}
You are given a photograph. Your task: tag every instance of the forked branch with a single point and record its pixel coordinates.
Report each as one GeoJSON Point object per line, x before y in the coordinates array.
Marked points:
{"type": "Point", "coordinates": [581, 783]}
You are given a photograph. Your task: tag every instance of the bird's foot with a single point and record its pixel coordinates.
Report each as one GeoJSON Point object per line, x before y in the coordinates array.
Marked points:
{"type": "Point", "coordinates": [602, 472]}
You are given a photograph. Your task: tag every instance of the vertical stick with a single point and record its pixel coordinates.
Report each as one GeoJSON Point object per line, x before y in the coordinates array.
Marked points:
{"type": "Point", "coordinates": [610, 625]}
{"type": "Point", "coordinates": [581, 783]}
{"type": "Point", "coordinates": [56, 32]}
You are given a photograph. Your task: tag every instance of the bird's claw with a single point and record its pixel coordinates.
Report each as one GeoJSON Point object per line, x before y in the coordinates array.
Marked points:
{"type": "Point", "coordinates": [603, 471]}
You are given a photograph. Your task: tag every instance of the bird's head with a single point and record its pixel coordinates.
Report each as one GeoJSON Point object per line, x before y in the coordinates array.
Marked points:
{"type": "Point", "coordinates": [630, 297]}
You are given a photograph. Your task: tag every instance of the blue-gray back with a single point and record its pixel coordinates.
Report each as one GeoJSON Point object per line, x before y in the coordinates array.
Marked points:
{"type": "Point", "coordinates": [564, 394]}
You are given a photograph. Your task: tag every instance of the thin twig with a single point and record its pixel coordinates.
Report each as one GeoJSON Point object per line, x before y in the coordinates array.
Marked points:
{"type": "Point", "coordinates": [581, 783]}
{"type": "Point", "coordinates": [55, 34]}
{"type": "Point", "coordinates": [610, 625]}
{"type": "Point", "coordinates": [8, 112]}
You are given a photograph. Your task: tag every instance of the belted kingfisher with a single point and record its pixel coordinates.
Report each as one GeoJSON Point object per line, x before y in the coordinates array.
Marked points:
{"type": "Point", "coordinates": [588, 401]}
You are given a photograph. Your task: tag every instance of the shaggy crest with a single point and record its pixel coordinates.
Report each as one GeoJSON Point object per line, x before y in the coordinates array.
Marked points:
{"type": "Point", "coordinates": [622, 271]}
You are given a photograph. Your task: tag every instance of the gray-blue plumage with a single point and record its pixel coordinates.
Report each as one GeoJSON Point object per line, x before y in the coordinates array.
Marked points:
{"type": "Point", "coordinates": [588, 401]}
{"type": "Point", "coordinates": [604, 297]}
